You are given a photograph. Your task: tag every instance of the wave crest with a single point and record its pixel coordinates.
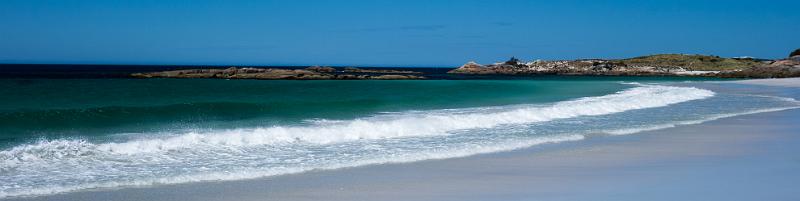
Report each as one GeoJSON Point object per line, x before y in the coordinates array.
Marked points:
{"type": "Point", "coordinates": [440, 122]}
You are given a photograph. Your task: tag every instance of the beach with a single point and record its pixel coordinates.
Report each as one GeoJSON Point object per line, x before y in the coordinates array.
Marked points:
{"type": "Point", "coordinates": [782, 82]}
{"type": "Point", "coordinates": [399, 100]}
{"type": "Point", "coordinates": [746, 157]}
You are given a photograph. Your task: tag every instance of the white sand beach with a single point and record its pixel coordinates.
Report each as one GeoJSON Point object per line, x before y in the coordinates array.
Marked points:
{"type": "Point", "coordinates": [783, 82]}
{"type": "Point", "coordinates": [431, 100]}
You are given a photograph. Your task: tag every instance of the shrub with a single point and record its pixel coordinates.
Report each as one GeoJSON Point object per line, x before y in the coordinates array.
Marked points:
{"type": "Point", "coordinates": [795, 53]}
{"type": "Point", "coordinates": [512, 61]}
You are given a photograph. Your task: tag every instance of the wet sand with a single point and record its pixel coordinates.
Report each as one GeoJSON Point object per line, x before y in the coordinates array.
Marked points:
{"type": "Point", "coordinates": [782, 82]}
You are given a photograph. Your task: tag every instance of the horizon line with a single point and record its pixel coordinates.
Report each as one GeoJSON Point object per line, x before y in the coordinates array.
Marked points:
{"type": "Point", "coordinates": [12, 62]}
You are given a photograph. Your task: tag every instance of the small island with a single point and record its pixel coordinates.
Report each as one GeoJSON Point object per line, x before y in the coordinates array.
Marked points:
{"type": "Point", "coordinates": [310, 73]}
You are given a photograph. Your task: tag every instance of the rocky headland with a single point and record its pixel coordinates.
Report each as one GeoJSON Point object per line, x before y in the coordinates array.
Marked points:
{"type": "Point", "coordinates": [310, 73]}
{"type": "Point", "coordinates": [653, 65]}
{"type": "Point", "coordinates": [775, 69]}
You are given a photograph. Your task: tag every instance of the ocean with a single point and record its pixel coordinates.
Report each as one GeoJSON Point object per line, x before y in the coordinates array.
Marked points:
{"type": "Point", "coordinates": [61, 133]}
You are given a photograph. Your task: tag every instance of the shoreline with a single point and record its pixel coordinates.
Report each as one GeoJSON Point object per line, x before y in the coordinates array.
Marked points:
{"type": "Point", "coordinates": [669, 164]}
{"type": "Point", "coordinates": [778, 82]}
{"type": "Point", "coordinates": [30, 71]}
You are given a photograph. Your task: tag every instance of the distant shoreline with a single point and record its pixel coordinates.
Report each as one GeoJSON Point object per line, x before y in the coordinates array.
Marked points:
{"type": "Point", "coordinates": [677, 65]}
{"type": "Point", "coordinates": [60, 71]}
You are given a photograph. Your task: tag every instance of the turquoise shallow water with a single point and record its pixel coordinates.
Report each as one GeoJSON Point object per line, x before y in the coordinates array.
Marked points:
{"type": "Point", "coordinates": [64, 107]}
{"type": "Point", "coordinates": [63, 135]}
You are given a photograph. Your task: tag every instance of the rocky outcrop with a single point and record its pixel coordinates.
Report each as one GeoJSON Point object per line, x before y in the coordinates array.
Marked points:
{"type": "Point", "coordinates": [472, 68]}
{"type": "Point", "coordinates": [665, 64]}
{"type": "Point", "coordinates": [783, 68]}
{"type": "Point", "coordinates": [381, 71]}
{"type": "Point", "coordinates": [270, 74]}
{"type": "Point", "coordinates": [396, 77]}
{"type": "Point", "coordinates": [789, 62]}
{"type": "Point", "coordinates": [321, 69]}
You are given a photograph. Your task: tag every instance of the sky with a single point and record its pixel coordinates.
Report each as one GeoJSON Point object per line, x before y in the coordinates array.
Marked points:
{"type": "Point", "coordinates": [433, 33]}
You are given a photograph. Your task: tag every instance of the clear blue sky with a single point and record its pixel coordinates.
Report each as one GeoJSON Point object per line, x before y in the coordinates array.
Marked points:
{"type": "Point", "coordinates": [386, 33]}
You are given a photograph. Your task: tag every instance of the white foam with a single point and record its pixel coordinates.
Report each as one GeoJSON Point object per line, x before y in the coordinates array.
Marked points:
{"type": "Point", "coordinates": [628, 131]}
{"type": "Point", "coordinates": [418, 124]}
{"type": "Point", "coordinates": [76, 154]}
{"type": "Point", "coordinates": [258, 173]}
{"type": "Point", "coordinates": [414, 124]}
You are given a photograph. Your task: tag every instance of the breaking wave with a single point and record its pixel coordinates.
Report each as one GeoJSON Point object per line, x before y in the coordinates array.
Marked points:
{"type": "Point", "coordinates": [62, 165]}
{"type": "Point", "coordinates": [424, 124]}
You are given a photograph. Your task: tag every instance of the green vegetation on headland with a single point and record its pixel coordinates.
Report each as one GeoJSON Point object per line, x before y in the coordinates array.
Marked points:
{"type": "Point", "coordinates": [692, 62]}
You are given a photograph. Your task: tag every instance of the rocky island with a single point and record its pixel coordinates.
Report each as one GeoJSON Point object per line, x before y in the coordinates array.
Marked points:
{"type": "Point", "coordinates": [310, 73]}
{"type": "Point", "coordinates": [662, 64]}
